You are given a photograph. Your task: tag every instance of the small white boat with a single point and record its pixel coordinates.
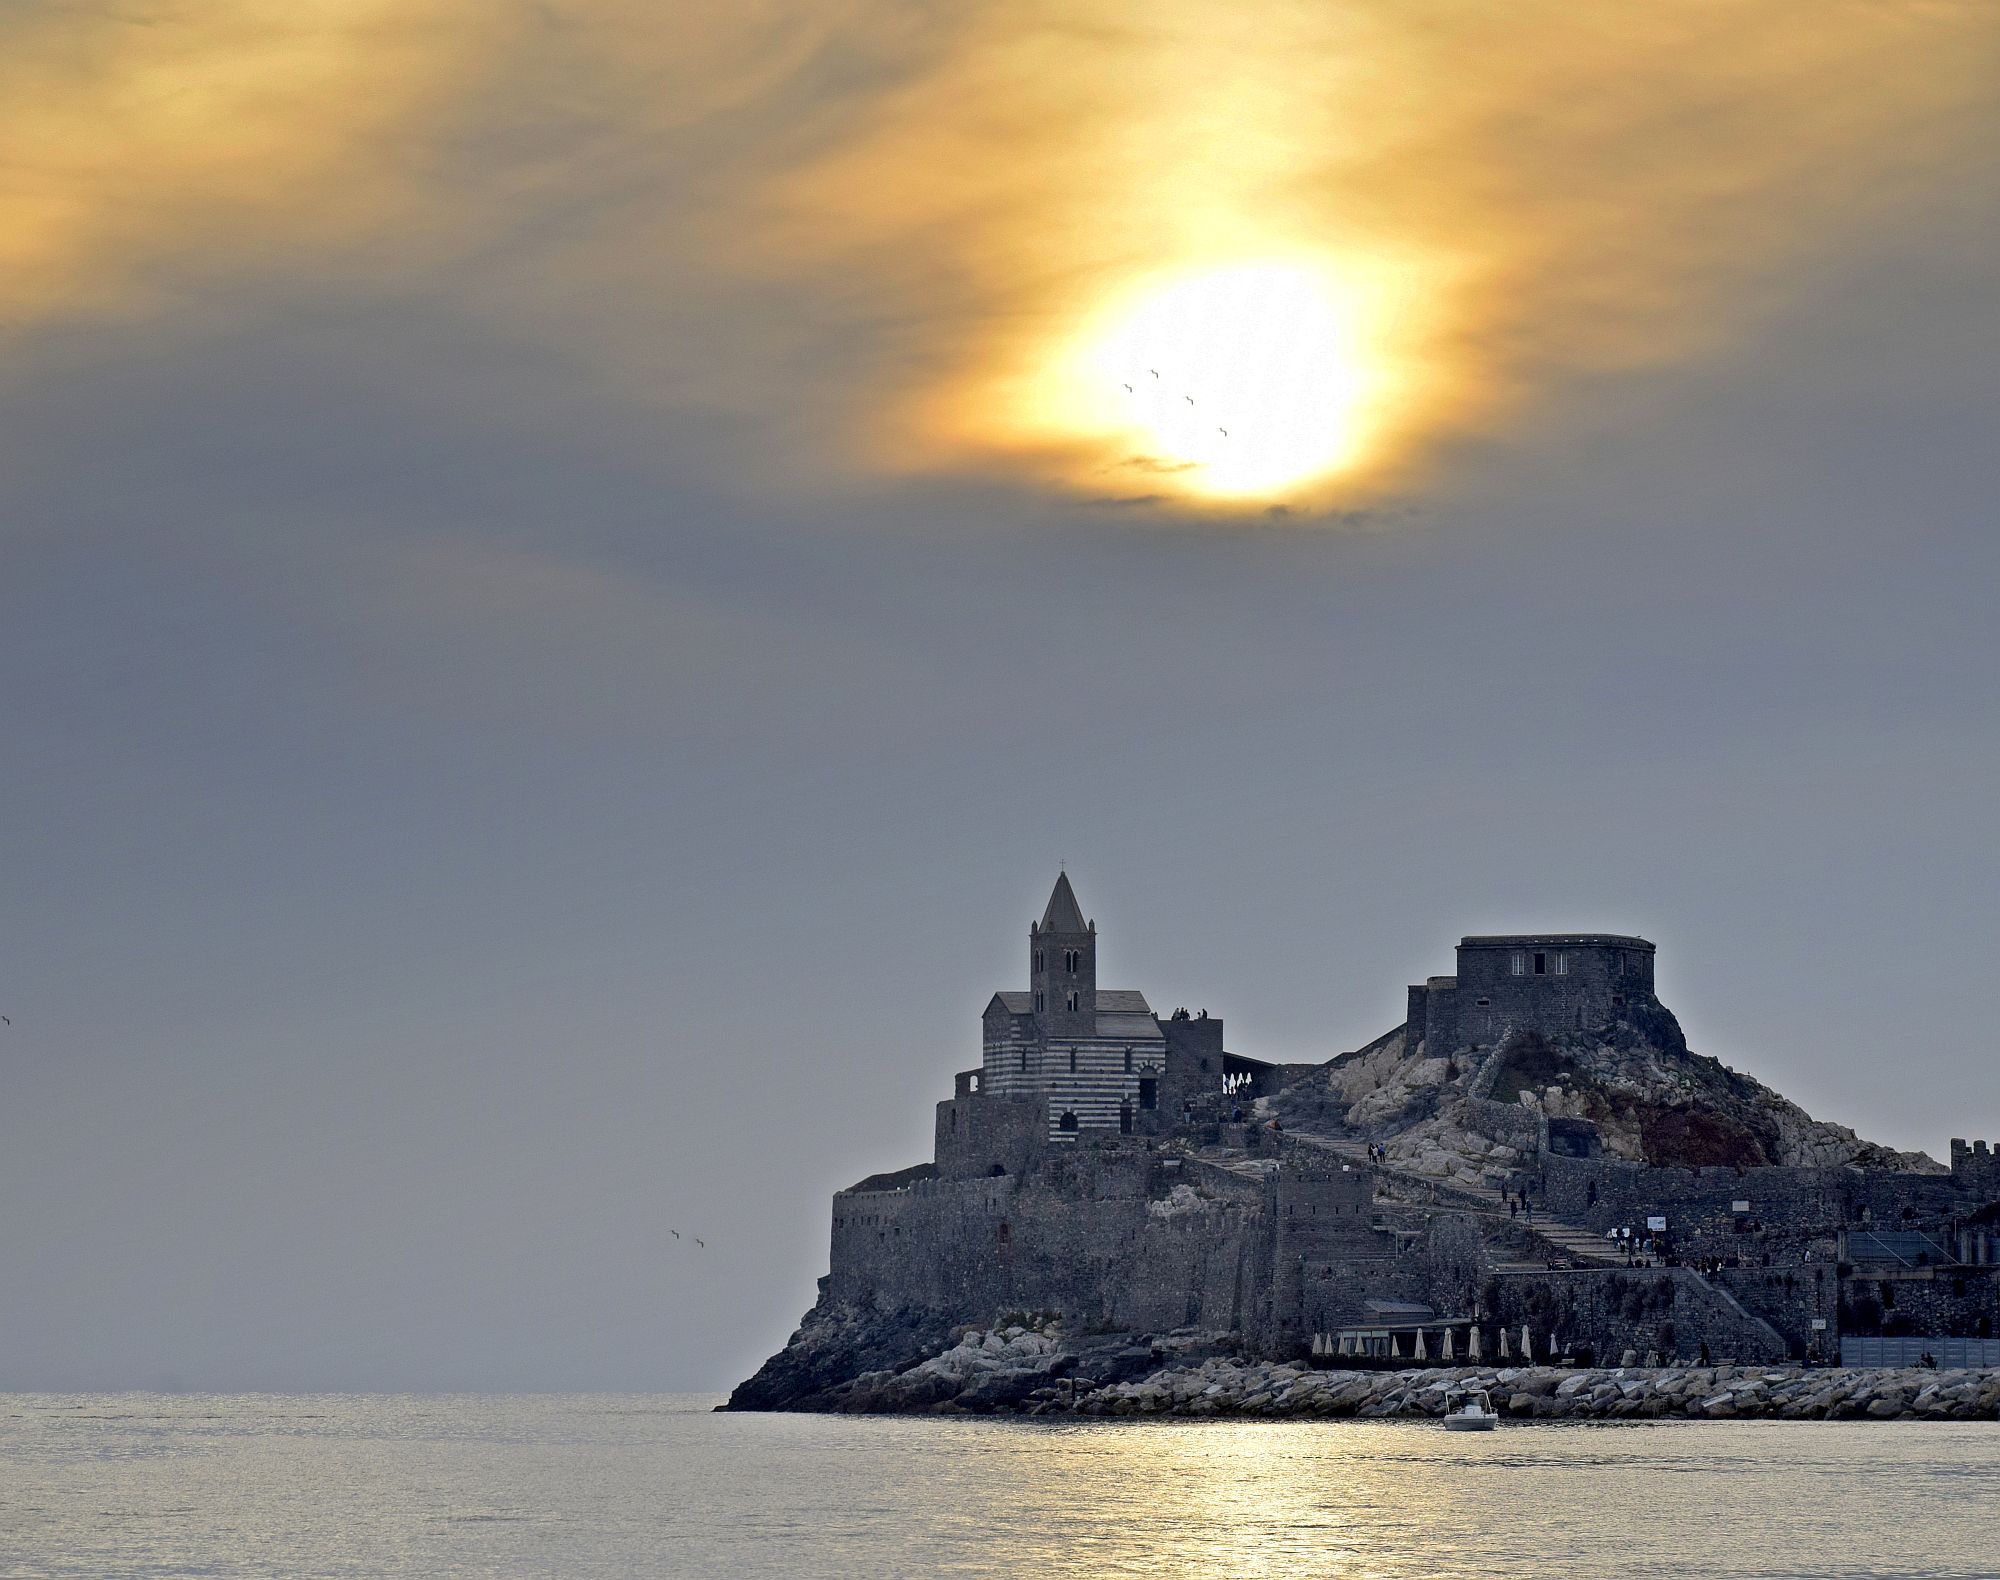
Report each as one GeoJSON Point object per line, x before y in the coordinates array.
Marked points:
{"type": "Point", "coordinates": [1470, 1411]}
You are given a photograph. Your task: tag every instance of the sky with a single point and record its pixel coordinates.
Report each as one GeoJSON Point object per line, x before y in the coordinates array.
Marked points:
{"type": "Point", "coordinates": [570, 572]}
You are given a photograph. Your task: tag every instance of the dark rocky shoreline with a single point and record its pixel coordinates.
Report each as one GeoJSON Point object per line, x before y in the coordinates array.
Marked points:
{"type": "Point", "coordinates": [1023, 1368]}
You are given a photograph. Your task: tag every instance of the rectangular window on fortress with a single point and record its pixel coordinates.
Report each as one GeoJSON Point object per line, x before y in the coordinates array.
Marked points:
{"type": "Point", "coordinates": [1072, 1003]}
{"type": "Point", "coordinates": [1072, 1061]}
{"type": "Point", "coordinates": [1562, 965]}
{"type": "Point", "coordinates": [1520, 965]}
{"type": "Point", "coordinates": [1038, 1003]}
{"type": "Point", "coordinates": [1541, 964]}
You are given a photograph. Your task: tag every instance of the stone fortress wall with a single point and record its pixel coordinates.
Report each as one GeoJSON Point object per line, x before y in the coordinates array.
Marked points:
{"type": "Point", "coordinates": [1666, 1311]}
{"type": "Point", "coordinates": [1100, 1238]}
{"type": "Point", "coordinates": [1976, 1166]}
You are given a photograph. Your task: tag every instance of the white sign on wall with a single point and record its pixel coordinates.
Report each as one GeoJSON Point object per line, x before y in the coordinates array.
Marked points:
{"type": "Point", "coordinates": [1656, 1224]}
{"type": "Point", "coordinates": [1739, 1206]}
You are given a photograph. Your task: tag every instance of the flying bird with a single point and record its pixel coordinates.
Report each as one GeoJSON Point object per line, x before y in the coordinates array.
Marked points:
{"type": "Point", "coordinates": [675, 1233]}
{"type": "Point", "coordinates": [1189, 399]}
{"type": "Point", "coordinates": [1223, 431]}
{"type": "Point", "coordinates": [1128, 389]}
{"type": "Point", "coordinates": [1154, 371]}
{"type": "Point", "coordinates": [698, 1240]}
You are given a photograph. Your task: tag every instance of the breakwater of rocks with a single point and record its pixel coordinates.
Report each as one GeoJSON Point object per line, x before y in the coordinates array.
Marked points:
{"type": "Point", "coordinates": [1019, 1371]}
{"type": "Point", "coordinates": [1548, 1393]}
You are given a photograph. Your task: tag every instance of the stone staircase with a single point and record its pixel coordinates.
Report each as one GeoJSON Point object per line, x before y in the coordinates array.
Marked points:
{"type": "Point", "coordinates": [1566, 1241]}
{"type": "Point", "coordinates": [1580, 1247]}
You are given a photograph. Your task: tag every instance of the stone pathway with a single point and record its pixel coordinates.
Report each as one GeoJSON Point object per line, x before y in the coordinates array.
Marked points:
{"type": "Point", "coordinates": [1565, 1240]}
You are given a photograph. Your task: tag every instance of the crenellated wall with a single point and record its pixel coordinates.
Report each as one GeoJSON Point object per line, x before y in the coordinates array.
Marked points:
{"type": "Point", "coordinates": [1975, 1167]}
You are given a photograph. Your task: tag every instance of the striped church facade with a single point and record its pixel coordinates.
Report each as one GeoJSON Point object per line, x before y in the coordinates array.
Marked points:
{"type": "Point", "coordinates": [1094, 1056]}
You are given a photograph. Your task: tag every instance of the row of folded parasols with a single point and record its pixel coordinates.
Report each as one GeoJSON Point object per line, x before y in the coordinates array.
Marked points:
{"type": "Point", "coordinates": [1359, 1344]}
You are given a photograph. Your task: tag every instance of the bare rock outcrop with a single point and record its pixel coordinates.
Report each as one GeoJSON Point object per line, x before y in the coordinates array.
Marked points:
{"type": "Point", "coordinates": [1460, 1115]}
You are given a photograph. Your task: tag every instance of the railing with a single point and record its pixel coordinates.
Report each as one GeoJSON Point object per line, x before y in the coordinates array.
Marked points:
{"type": "Point", "coordinates": [1950, 1354]}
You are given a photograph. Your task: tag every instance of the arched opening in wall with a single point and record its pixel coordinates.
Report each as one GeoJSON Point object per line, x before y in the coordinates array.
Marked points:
{"type": "Point", "coordinates": [998, 1171]}
{"type": "Point", "coordinates": [1067, 1124]}
{"type": "Point", "coordinates": [1125, 1119]}
{"type": "Point", "coordinates": [1149, 1093]}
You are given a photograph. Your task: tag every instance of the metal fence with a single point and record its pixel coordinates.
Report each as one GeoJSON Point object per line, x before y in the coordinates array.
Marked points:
{"type": "Point", "coordinates": [1903, 1247]}
{"type": "Point", "coordinates": [1951, 1354]}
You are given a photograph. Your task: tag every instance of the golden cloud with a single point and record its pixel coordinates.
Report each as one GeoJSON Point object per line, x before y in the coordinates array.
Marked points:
{"type": "Point", "coordinates": [1496, 195]}
{"type": "Point", "coordinates": [964, 241]}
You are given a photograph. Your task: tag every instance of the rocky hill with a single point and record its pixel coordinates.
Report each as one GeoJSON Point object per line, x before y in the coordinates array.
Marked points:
{"type": "Point", "coordinates": [1631, 1090]}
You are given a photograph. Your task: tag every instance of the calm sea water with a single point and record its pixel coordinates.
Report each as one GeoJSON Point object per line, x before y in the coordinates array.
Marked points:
{"type": "Point", "coordinates": [308, 1486]}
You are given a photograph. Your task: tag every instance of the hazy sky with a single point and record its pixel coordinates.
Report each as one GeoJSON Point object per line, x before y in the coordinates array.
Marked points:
{"type": "Point", "coordinates": [572, 569]}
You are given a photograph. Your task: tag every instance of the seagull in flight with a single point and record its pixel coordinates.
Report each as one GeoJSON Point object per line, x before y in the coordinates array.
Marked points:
{"type": "Point", "coordinates": [1154, 371]}
{"type": "Point", "coordinates": [1223, 431]}
{"type": "Point", "coordinates": [698, 1240]}
{"type": "Point", "coordinates": [1128, 389]}
{"type": "Point", "coordinates": [1189, 399]}
{"type": "Point", "coordinates": [675, 1233]}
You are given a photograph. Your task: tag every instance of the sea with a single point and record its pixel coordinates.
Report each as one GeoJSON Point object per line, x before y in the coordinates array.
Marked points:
{"type": "Point", "coordinates": [308, 1486]}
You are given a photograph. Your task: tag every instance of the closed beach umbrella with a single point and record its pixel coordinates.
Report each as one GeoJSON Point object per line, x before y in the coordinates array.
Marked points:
{"type": "Point", "coordinates": [1527, 1344]}
{"type": "Point", "coordinates": [1395, 1349]}
{"type": "Point", "coordinates": [1347, 1344]}
{"type": "Point", "coordinates": [1472, 1346]}
{"type": "Point", "coordinates": [1446, 1351]}
{"type": "Point", "coordinates": [1503, 1344]}
{"type": "Point", "coordinates": [1419, 1351]}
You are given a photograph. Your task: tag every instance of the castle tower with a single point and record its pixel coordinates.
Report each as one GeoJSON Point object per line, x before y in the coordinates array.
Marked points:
{"type": "Point", "coordinates": [1062, 966]}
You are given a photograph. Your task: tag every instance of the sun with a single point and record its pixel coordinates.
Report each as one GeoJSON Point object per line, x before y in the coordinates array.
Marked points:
{"type": "Point", "coordinates": [1236, 382]}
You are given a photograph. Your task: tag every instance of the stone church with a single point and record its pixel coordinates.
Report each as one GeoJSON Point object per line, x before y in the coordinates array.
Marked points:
{"type": "Point", "coordinates": [1098, 1058]}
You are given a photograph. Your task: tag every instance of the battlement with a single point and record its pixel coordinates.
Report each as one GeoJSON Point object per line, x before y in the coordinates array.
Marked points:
{"type": "Point", "coordinates": [1975, 1166]}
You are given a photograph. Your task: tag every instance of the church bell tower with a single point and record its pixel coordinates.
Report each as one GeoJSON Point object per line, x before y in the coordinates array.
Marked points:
{"type": "Point", "coordinates": [1062, 966]}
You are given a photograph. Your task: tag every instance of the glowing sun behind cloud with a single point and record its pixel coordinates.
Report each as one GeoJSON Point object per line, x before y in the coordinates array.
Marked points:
{"type": "Point", "coordinates": [1238, 381]}
{"type": "Point", "coordinates": [895, 241]}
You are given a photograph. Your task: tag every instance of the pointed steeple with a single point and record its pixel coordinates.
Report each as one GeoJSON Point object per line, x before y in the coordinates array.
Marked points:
{"type": "Point", "coordinates": [1062, 966]}
{"type": "Point", "coordinates": [1064, 915]}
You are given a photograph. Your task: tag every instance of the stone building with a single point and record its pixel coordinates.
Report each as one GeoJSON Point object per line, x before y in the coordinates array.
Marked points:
{"type": "Point", "coordinates": [1542, 982]}
{"type": "Point", "coordinates": [1095, 1058]}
